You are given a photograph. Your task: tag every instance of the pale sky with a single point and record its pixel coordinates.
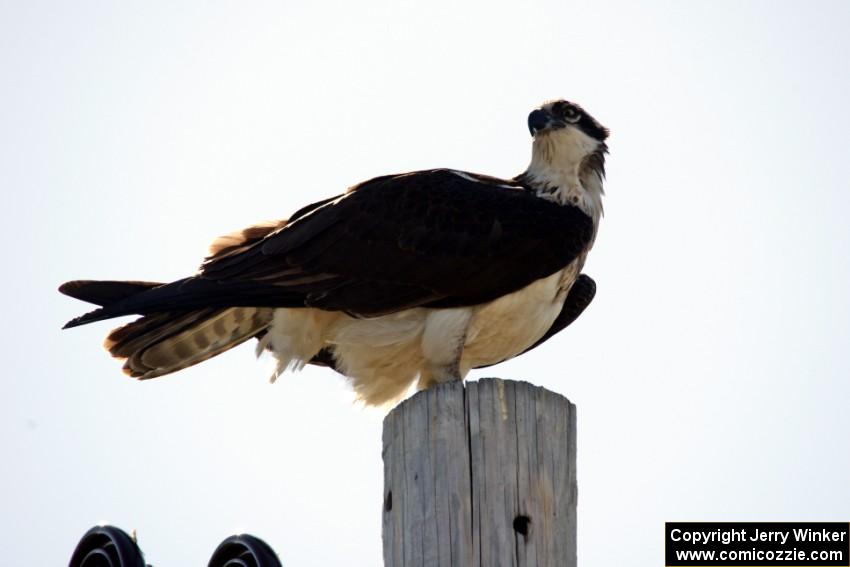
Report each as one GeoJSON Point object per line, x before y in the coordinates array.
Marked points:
{"type": "Point", "coordinates": [711, 372]}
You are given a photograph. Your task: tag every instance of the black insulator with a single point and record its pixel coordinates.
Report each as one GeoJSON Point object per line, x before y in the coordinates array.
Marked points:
{"type": "Point", "coordinates": [107, 546]}
{"type": "Point", "coordinates": [244, 551]}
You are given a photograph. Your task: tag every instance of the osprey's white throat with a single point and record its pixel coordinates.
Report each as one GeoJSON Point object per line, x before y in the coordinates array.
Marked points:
{"type": "Point", "coordinates": [562, 169]}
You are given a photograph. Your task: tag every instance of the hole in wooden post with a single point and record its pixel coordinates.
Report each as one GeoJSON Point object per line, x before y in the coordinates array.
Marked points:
{"type": "Point", "coordinates": [522, 525]}
{"type": "Point", "coordinates": [388, 501]}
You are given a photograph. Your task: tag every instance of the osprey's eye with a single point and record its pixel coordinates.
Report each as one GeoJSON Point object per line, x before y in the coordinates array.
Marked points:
{"type": "Point", "coordinates": [571, 114]}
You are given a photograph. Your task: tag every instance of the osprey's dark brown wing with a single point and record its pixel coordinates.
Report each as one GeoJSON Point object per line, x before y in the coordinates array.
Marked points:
{"type": "Point", "coordinates": [436, 238]}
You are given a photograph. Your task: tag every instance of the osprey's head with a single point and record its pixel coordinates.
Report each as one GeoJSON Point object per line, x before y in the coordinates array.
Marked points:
{"type": "Point", "coordinates": [568, 155]}
{"type": "Point", "coordinates": [561, 114]}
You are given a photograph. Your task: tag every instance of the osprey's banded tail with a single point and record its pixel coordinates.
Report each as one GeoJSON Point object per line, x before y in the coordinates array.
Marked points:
{"type": "Point", "coordinates": [168, 341]}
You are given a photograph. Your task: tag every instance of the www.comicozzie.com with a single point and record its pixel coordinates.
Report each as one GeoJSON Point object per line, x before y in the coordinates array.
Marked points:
{"type": "Point", "coordinates": [754, 544]}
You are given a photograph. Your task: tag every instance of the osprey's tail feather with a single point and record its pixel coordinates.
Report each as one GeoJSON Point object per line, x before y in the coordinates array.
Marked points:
{"type": "Point", "coordinates": [104, 292]}
{"type": "Point", "coordinates": [166, 341]}
{"type": "Point", "coordinates": [194, 293]}
{"type": "Point", "coordinates": [163, 343]}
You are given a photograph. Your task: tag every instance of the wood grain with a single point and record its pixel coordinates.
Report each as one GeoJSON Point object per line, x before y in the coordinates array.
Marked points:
{"type": "Point", "coordinates": [482, 476]}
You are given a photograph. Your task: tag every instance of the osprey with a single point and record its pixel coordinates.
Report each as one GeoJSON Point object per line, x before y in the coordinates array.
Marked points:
{"type": "Point", "coordinates": [410, 278]}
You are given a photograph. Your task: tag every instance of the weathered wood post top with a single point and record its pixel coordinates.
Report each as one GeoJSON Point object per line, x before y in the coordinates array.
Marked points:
{"type": "Point", "coordinates": [481, 476]}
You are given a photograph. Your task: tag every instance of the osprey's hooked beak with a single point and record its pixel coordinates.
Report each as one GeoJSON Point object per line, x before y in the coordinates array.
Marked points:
{"type": "Point", "coordinates": [540, 120]}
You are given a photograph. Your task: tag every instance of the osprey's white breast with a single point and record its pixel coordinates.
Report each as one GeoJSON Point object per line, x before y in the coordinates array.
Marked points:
{"type": "Point", "coordinates": [505, 327]}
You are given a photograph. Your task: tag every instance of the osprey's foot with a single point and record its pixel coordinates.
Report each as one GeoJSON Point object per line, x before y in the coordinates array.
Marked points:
{"type": "Point", "coordinates": [434, 375]}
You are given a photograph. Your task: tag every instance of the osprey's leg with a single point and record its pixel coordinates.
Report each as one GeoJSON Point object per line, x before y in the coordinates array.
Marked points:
{"type": "Point", "coordinates": [442, 345]}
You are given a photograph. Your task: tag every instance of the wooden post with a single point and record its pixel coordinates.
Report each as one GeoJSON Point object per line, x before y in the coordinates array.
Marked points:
{"type": "Point", "coordinates": [482, 476]}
